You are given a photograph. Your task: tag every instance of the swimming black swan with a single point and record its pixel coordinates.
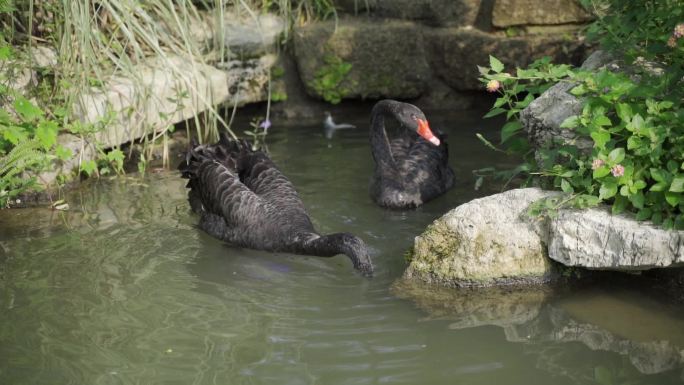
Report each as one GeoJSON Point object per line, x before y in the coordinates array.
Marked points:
{"type": "Point", "coordinates": [412, 168]}
{"type": "Point", "coordinates": [242, 198]}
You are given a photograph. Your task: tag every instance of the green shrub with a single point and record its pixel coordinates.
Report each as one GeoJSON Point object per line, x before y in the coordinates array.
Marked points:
{"type": "Point", "coordinates": [635, 120]}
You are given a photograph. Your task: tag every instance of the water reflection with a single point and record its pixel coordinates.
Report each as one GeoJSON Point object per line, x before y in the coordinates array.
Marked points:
{"type": "Point", "coordinates": [124, 289]}
{"type": "Point", "coordinates": [623, 321]}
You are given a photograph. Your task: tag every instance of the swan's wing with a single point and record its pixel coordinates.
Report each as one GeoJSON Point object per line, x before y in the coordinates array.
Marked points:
{"type": "Point", "coordinates": [427, 166]}
{"type": "Point", "coordinates": [221, 192]}
{"type": "Point", "coordinates": [400, 148]}
{"type": "Point", "coordinates": [260, 175]}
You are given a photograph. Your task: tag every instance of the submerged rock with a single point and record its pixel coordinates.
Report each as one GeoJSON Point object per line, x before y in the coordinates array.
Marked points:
{"type": "Point", "coordinates": [488, 241]}
{"type": "Point", "coordinates": [475, 307]}
{"type": "Point", "coordinates": [623, 322]}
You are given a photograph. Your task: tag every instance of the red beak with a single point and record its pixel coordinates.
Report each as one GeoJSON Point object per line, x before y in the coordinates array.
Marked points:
{"type": "Point", "coordinates": [425, 131]}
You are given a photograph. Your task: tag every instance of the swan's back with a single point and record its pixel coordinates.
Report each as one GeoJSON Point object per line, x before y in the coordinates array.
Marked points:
{"type": "Point", "coordinates": [242, 197]}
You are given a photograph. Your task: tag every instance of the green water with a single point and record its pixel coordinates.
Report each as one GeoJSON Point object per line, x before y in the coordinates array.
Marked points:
{"type": "Point", "coordinates": [123, 289]}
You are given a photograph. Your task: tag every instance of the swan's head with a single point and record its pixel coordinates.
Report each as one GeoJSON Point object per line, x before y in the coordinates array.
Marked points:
{"type": "Point", "coordinates": [357, 251]}
{"type": "Point", "coordinates": [413, 118]}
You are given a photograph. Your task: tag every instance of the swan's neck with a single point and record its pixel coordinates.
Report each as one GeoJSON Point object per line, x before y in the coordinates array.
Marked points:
{"type": "Point", "coordinates": [380, 145]}
{"type": "Point", "coordinates": [340, 243]}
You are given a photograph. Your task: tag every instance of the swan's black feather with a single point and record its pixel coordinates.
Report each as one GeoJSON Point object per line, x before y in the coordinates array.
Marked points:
{"type": "Point", "coordinates": [244, 199]}
{"type": "Point", "coordinates": [409, 170]}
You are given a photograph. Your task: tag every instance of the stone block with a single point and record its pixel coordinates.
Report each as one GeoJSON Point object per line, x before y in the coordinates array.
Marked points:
{"type": "Point", "coordinates": [387, 57]}
{"type": "Point", "coordinates": [507, 13]}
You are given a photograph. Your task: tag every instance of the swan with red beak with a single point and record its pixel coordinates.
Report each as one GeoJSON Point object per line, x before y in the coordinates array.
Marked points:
{"type": "Point", "coordinates": [425, 131]}
{"type": "Point", "coordinates": [410, 169]}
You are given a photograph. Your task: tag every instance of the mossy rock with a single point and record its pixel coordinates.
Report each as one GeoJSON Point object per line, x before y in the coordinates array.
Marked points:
{"type": "Point", "coordinates": [387, 57]}
{"type": "Point", "coordinates": [485, 242]}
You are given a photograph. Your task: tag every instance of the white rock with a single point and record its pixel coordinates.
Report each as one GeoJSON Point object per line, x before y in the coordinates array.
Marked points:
{"type": "Point", "coordinates": [596, 239]}
{"type": "Point", "coordinates": [248, 35]}
{"type": "Point", "coordinates": [165, 91]}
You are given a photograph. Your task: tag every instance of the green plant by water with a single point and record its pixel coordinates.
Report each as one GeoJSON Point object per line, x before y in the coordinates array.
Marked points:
{"type": "Point", "coordinates": [328, 79]}
{"type": "Point", "coordinates": [634, 118]}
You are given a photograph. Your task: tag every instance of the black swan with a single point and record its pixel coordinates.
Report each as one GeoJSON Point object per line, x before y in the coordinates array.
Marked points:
{"type": "Point", "coordinates": [412, 168]}
{"type": "Point", "coordinates": [242, 198]}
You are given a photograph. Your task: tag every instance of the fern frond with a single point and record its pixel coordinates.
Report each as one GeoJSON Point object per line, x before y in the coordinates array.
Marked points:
{"type": "Point", "coordinates": [7, 6]}
{"type": "Point", "coordinates": [20, 157]}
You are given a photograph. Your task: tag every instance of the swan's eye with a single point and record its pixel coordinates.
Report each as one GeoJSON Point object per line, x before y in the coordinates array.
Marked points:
{"type": "Point", "coordinates": [414, 117]}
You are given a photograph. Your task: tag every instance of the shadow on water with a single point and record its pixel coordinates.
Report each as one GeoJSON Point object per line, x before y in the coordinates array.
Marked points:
{"type": "Point", "coordinates": [124, 289]}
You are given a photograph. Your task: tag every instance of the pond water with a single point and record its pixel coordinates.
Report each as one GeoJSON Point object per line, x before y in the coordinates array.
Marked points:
{"type": "Point", "coordinates": [124, 289]}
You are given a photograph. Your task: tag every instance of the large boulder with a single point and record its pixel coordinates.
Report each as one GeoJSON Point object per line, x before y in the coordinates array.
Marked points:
{"type": "Point", "coordinates": [487, 241]}
{"type": "Point", "coordinates": [596, 239]}
{"type": "Point", "coordinates": [455, 53]}
{"type": "Point", "coordinates": [430, 12]}
{"type": "Point", "coordinates": [387, 58]}
{"type": "Point", "coordinates": [507, 13]}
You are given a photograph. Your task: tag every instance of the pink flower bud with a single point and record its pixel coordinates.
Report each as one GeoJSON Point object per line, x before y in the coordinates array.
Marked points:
{"type": "Point", "coordinates": [678, 31]}
{"type": "Point", "coordinates": [597, 163]}
{"type": "Point", "coordinates": [617, 170]}
{"type": "Point", "coordinates": [672, 42]}
{"type": "Point", "coordinates": [493, 85]}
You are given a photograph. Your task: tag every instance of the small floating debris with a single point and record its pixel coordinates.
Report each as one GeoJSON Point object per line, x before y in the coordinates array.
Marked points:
{"type": "Point", "coordinates": [60, 205]}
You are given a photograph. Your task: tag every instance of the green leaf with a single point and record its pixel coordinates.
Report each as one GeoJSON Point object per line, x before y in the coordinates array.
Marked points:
{"type": "Point", "coordinates": [501, 101]}
{"type": "Point", "coordinates": [600, 172]}
{"type": "Point", "coordinates": [657, 218]}
{"type": "Point", "coordinates": [509, 129]}
{"type": "Point", "coordinates": [677, 184]}
{"type": "Point", "coordinates": [619, 205]}
{"type": "Point", "coordinates": [602, 120]}
{"type": "Point", "coordinates": [672, 198]}
{"type": "Point", "coordinates": [660, 186]}
{"type": "Point", "coordinates": [617, 155]}
{"type": "Point", "coordinates": [624, 190]}
{"type": "Point", "coordinates": [63, 153]}
{"type": "Point", "coordinates": [13, 134]}
{"type": "Point", "coordinates": [634, 142]}
{"type": "Point", "coordinates": [600, 137]}
{"type": "Point", "coordinates": [624, 112]}
{"type": "Point", "coordinates": [566, 187]}
{"type": "Point", "coordinates": [639, 184]}
{"type": "Point", "coordinates": [658, 175]}
{"type": "Point", "coordinates": [579, 90]}
{"type": "Point", "coordinates": [608, 189]}
{"type": "Point", "coordinates": [89, 166]}
{"type": "Point", "coordinates": [495, 64]}
{"type": "Point", "coordinates": [6, 53]}
{"type": "Point", "coordinates": [494, 112]}
{"type": "Point", "coordinates": [26, 109]}
{"type": "Point", "coordinates": [637, 200]}
{"type": "Point", "coordinates": [637, 123]}
{"type": "Point", "coordinates": [644, 214]}
{"type": "Point", "coordinates": [570, 122]}
{"type": "Point", "coordinates": [665, 105]}
{"type": "Point", "coordinates": [47, 133]}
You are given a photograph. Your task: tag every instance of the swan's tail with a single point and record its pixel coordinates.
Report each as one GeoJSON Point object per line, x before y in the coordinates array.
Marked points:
{"type": "Point", "coordinates": [227, 151]}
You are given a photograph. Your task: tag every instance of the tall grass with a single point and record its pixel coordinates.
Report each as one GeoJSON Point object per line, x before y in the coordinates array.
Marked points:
{"type": "Point", "coordinates": [100, 40]}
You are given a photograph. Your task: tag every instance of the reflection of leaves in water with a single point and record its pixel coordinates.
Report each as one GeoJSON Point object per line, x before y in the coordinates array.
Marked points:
{"type": "Point", "coordinates": [118, 304]}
